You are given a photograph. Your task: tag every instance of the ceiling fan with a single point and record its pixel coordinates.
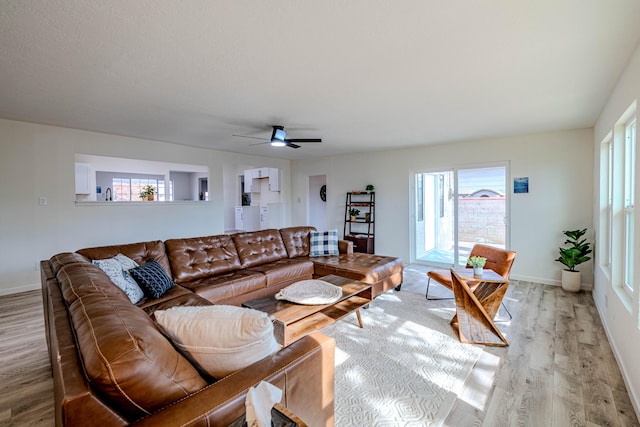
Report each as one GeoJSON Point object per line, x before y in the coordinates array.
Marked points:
{"type": "Point", "coordinates": [279, 138]}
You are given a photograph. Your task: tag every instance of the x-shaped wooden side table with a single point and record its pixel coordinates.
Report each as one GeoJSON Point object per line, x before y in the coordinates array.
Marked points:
{"type": "Point", "coordinates": [476, 309]}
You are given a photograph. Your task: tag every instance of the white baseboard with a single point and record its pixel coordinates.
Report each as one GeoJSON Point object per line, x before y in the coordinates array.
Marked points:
{"type": "Point", "coordinates": [533, 279]}
{"type": "Point", "coordinates": [18, 289]}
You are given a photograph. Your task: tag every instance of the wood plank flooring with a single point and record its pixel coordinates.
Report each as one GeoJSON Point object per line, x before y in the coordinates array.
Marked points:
{"type": "Point", "coordinates": [557, 371]}
{"type": "Point", "coordinates": [26, 385]}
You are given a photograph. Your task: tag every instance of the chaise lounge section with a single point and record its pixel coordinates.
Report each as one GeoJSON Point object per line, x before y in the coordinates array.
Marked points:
{"type": "Point", "coordinates": [381, 272]}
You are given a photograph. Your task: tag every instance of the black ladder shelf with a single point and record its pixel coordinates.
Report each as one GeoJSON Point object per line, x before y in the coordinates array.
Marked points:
{"type": "Point", "coordinates": [361, 230]}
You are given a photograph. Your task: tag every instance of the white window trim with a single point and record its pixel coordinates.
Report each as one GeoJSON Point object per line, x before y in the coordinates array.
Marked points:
{"type": "Point", "coordinates": [606, 204]}
{"type": "Point", "coordinates": [629, 204]}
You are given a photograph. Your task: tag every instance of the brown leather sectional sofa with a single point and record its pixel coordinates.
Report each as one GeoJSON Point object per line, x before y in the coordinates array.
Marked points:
{"type": "Point", "coordinates": [112, 365]}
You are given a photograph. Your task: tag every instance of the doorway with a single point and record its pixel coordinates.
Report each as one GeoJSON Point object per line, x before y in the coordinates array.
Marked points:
{"type": "Point", "coordinates": [457, 208]}
{"type": "Point", "coordinates": [317, 213]}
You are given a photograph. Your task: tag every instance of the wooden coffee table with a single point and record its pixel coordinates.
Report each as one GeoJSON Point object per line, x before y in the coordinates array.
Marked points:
{"type": "Point", "coordinates": [294, 321]}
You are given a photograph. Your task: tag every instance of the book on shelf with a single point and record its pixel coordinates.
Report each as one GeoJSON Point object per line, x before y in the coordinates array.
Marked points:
{"type": "Point", "coordinates": [358, 236]}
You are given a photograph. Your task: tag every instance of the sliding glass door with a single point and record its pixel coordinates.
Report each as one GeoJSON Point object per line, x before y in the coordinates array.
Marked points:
{"type": "Point", "coordinates": [457, 208]}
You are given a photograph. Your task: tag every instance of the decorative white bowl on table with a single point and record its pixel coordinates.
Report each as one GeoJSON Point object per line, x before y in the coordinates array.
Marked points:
{"type": "Point", "coordinates": [311, 292]}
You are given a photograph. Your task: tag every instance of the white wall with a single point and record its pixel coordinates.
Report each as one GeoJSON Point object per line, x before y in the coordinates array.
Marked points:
{"type": "Point", "coordinates": [560, 197]}
{"type": "Point", "coordinates": [43, 156]}
{"type": "Point", "coordinates": [618, 312]}
{"type": "Point", "coordinates": [38, 161]}
{"type": "Point", "coordinates": [317, 208]}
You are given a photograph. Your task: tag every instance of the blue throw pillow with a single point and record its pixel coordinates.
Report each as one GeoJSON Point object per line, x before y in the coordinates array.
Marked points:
{"type": "Point", "coordinates": [152, 278]}
{"type": "Point", "coordinates": [323, 243]}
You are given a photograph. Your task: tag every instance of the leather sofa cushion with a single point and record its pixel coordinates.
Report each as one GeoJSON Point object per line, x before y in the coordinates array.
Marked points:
{"type": "Point", "coordinates": [119, 345]}
{"type": "Point", "coordinates": [183, 298]}
{"type": "Point", "coordinates": [228, 286]}
{"type": "Point", "coordinates": [139, 252]}
{"type": "Point", "coordinates": [200, 257]}
{"type": "Point", "coordinates": [366, 268]}
{"type": "Point", "coordinates": [259, 247]}
{"type": "Point", "coordinates": [173, 293]}
{"type": "Point", "coordinates": [296, 240]}
{"type": "Point", "coordinates": [57, 261]}
{"type": "Point", "coordinates": [285, 271]}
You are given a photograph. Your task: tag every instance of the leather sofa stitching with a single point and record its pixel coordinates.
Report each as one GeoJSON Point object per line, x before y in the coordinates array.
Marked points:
{"type": "Point", "coordinates": [98, 350]}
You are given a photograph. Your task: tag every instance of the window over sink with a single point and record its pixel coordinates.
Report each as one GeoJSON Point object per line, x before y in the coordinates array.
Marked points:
{"type": "Point", "coordinates": [112, 179]}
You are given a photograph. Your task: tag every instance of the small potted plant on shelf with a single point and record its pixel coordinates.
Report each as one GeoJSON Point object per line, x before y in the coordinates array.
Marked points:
{"type": "Point", "coordinates": [477, 262]}
{"type": "Point", "coordinates": [369, 188]}
{"type": "Point", "coordinates": [353, 213]}
{"type": "Point", "coordinates": [147, 193]}
{"type": "Point", "coordinates": [572, 256]}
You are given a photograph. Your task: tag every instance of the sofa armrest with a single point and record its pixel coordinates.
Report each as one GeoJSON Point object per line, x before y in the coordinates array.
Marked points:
{"type": "Point", "coordinates": [304, 371]}
{"type": "Point", "coordinates": [345, 247]}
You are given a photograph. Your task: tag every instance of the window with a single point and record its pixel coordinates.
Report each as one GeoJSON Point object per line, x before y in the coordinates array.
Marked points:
{"type": "Point", "coordinates": [629, 201]}
{"type": "Point", "coordinates": [420, 196]}
{"type": "Point", "coordinates": [616, 245]}
{"type": "Point", "coordinates": [606, 203]}
{"type": "Point", "coordinates": [128, 189]}
{"type": "Point", "coordinates": [461, 206]}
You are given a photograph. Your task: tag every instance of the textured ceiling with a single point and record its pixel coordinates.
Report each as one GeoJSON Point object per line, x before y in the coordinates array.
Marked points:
{"type": "Point", "coordinates": [362, 75]}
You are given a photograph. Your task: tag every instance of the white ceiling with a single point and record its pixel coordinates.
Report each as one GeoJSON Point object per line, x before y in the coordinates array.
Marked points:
{"type": "Point", "coordinates": [361, 74]}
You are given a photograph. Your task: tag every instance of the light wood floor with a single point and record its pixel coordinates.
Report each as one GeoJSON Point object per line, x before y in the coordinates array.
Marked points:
{"type": "Point", "coordinates": [26, 393]}
{"type": "Point", "coordinates": [557, 371]}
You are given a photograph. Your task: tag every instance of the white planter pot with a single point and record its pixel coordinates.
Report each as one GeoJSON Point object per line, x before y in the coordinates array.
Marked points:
{"type": "Point", "coordinates": [477, 271]}
{"type": "Point", "coordinates": [571, 280]}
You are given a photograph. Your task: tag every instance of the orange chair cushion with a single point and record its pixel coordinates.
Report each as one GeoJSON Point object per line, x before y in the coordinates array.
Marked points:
{"type": "Point", "coordinates": [498, 260]}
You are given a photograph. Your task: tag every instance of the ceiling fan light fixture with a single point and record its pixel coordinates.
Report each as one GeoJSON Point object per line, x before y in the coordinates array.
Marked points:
{"type": "Point", "coordinates": [278, 143]}
{"type": "Point", "coordinates": [279, 134]}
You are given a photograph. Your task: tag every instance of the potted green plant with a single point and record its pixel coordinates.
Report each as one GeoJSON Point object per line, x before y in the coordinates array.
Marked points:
{"type": "Point", "coordinates": [477, 262]}
{"type": "Point", "coordinates": [147, 193]}
{"type": "Point", "coordinates": [575, 254]}
{"type": "Point", "coordinates": [369, 188]}
{"type": "Point", "coordinates": [353, 213]}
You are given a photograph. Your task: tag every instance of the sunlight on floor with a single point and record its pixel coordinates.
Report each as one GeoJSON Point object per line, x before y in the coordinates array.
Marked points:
{"type": "Point", "coordinates": [484, 373]}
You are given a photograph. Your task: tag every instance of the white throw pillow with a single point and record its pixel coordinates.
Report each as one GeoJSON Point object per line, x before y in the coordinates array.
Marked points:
{"type": "Point", "coordinates": [117, 270]}
{"type": "Point", "coordinates": [220, 338]}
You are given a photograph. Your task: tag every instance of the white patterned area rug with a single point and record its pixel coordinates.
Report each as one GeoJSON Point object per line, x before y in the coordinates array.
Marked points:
{"type": "Point", "coordinates": [404, 368]}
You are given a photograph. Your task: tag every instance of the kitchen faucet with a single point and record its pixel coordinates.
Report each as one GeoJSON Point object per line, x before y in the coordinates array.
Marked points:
{"type": "Point", "coordinates": [107, 195]}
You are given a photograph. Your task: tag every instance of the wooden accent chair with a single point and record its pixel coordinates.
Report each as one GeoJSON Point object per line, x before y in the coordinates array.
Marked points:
{"type": "Point", "coordinates": [498, 260]}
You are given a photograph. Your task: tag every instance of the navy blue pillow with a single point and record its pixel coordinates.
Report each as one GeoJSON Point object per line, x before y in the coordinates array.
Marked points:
{"type": "Point", "coordinates": [152, 278]}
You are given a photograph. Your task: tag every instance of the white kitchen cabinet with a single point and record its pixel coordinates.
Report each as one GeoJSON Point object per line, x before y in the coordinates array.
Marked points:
{"type": "Point", "coordinates": [261, 173]}
{"type": "Point", "coordinates": [247, 218]}
{"type": "Point", "coordinates": [83, 178]}
{"type": "Point", "coordinates": [264, 217]}
{"type": "Point", "coordinates": [274, 179]}
{"type": "Point", "coordinates": [252, 179]}
{"type": "Point", "coordinates": [248, 181]}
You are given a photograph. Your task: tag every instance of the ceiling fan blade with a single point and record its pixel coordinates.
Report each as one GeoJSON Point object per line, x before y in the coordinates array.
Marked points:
{"type": "Point", "coordinates": [304, 140]}
{"type": "Point", "coordinates": [260, 143]}
{"type": "Point", "coordinates": [279, 138]}
{"type": "Point", "coordinates": [252, 137]}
